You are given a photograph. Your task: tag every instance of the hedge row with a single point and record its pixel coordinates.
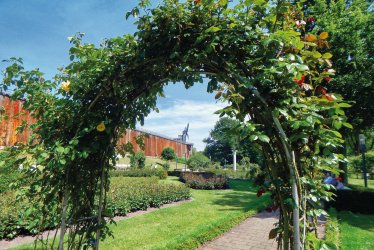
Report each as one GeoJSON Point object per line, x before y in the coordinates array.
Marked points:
{"type": "Point", "coordinates": [125, 195]}
{"type": "Point", "coordinates": [140, 172]}
{"type": "Point", "coordinates": [355, 200]}
{"type": "Point", "coordinates": [132, 194]}
{"type": "Point", "coordinates": [204, 180]}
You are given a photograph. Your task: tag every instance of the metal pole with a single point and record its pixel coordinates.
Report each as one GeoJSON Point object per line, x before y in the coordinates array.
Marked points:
{"type": "Point", "coordinates": [364, 168]}
{"type": "Point", "coordinates": [361, 140]}
{"type": "Point", "coordinates": [234, 158]}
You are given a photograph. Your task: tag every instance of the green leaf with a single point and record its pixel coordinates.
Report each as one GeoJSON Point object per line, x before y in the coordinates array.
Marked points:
{"type": "Point", "coordinates": [348, 125]}
{"type": "Point", "coordinates": [60, 150]}
{"type": "Point", "coordinates": [264, 138]}
{"type": "Point", "coordinates": [213, 29]}
{"type": "Point", "coordinates": [253, 137]}
{"type": "Point", "coordinates": [337, 124]}
{"type": "Point", "coordinates": [327, 55]}
{"type": "Point", "coordinates": [316, 54]}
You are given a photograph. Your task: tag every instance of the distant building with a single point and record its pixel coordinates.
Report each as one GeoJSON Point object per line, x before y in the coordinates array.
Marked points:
{"type": "Point", "coordinates": [154, 143]}
{"type": "Point", "coordinates": [14, 115]}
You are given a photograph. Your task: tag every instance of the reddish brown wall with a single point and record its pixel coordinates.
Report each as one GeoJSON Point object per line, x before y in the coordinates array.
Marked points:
{"type": "Point", "coordinates": [154, 144]}
{"type": "Point", "coordinates": [14, 115]}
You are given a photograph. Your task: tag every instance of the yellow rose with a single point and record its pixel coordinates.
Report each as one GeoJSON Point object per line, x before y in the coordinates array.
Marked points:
{"type": "Point", "coordinates": [100, 127]}
{"type": "Point", "coordinates": [324, 35]}
{"type": "Point", "coordinates": [65, 86]}
{"type": "Point", "coordinates": [310, 38]}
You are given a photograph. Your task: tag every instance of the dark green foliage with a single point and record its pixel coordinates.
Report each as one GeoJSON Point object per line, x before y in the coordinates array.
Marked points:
{"type": "Point", "coordinates": [144, 172]}
{"type": "Point", "coordinates": [132, 194]}
{"type": "Point", "coordinates": [357, 201]}
{"type": "Point", "coordinates": [137, 160]}
{"type": "Point", "coordinates": [204, 180]}
{"type": "Point", "coordinates": [168, 154]}
{"type": "Point", "coordinates": [8, 174]}
{"type": "Point", "coordinates": [355, 163]}
{"type": "Point", "coordinates": [198, 161]}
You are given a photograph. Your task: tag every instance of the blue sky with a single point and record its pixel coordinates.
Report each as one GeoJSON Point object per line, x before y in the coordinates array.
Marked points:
{"type": "Point", "coordinates": [37, 31]}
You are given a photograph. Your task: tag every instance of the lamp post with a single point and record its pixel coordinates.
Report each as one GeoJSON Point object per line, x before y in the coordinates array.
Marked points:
{"type": "Point", "coordinates": [362, 146]}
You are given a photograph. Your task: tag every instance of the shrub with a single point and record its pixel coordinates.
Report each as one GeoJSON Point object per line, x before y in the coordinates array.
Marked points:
{"type": "Point", "coordinates": [204, 180]}
{"type": "Point", "coordinates": [168, 154]}
{"type": "Point", "coordinates": [132, 194]}
{"type": "Point", "coordinates": [166, 166]}
{"type": "Point", "coordinates": [355, 163]}
{"type": "Point", "coordinates": [143, 172]}
{"type": "Point", "coordinates": [357, 201]}
{"type": "Point", "coordinates": [137, 160]}
{"type": "Point", "coordinates": [229, 173]}
{"type": "Point", "coordinates": [197, 161]}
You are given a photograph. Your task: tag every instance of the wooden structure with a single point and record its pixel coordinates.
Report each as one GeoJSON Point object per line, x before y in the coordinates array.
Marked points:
{"type": "Point", "coordinates": [155, 143]}
{"type": "Point", "coordinates": [12, 115]}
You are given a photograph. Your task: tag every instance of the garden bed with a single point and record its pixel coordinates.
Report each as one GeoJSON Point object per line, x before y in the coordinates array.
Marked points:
{"type": "Point", "coordinates": [126, 195]}
{"type": "Point", "coordinates": [204, 180]}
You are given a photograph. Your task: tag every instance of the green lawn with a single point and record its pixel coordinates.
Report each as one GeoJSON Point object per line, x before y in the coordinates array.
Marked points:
{"type": "Point", "coordinates": [148, 161]}
{"type": "Point", "coordinates": [360, 182]}
{"type": "Point", "coordinates": [185, 226]}
{"type": "Point", "coordinates": [357, 231]}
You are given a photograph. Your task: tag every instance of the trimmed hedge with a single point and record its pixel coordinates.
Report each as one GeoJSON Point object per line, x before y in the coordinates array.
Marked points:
{"type": "Point", "coordinates": [357, 201]}
{"type": "Point", "coordinates": [140, 172]}
{"type": "Point", "coordinates": [203, 180]}
{"type": "Point", "coordinates": [133, 194]}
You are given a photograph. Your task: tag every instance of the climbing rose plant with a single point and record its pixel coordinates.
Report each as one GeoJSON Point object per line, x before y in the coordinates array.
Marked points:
{"type": "Point", "coordinates": [262, 57]}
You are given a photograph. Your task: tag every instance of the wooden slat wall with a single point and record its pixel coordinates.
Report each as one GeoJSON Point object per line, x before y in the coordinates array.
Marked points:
{"type": "Point", "coordinates": [154, 144]}
{"type": "Point", "coordinates": [12, 118]}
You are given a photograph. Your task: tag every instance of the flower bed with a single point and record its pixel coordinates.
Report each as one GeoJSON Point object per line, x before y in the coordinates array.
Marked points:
{"type": "Point", "coordinates": [204, 180]}
{"type": "Point", "coordinates": [126, 194]}
{"type": "Point", "coordinates": [132, 194]}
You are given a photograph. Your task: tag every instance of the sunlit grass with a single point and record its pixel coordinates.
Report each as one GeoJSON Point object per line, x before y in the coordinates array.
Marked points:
{"type": "Point", "coordinates": [187, 225]}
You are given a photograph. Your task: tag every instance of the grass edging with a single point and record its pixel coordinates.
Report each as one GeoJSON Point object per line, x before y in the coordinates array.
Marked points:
{"type": "Point", "coordinates": [332, 235]}
{"type": "Point", "coordinates": [216, 230]}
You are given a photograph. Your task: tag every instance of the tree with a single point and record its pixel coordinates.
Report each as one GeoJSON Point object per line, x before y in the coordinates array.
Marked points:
{"type": "Point", "coordinates": [351, 28]}
{"type": "Point", "coordinates": [168, 154]}
{"type": "Point", "coordinates": [224, 137]}
{"type": "Point", "coordinates": [262, 58]}
{"type": "Point", "coordinates": [137, 160]}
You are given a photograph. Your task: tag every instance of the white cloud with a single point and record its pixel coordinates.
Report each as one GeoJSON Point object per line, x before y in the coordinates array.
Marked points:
{"type": "Point", "coordinates": [173, 118]}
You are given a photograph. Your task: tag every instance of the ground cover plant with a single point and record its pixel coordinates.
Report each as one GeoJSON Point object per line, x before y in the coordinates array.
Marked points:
{"type": "Point", "coordinates": [265, 59]}
{"type": "Point", "coordinates": [204, 180]}
{"type": "Point", "coordinates": [186, 226]}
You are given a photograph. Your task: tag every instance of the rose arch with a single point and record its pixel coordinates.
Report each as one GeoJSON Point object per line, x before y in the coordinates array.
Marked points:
{"type": "Point", "coordinates": [263, 59]}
